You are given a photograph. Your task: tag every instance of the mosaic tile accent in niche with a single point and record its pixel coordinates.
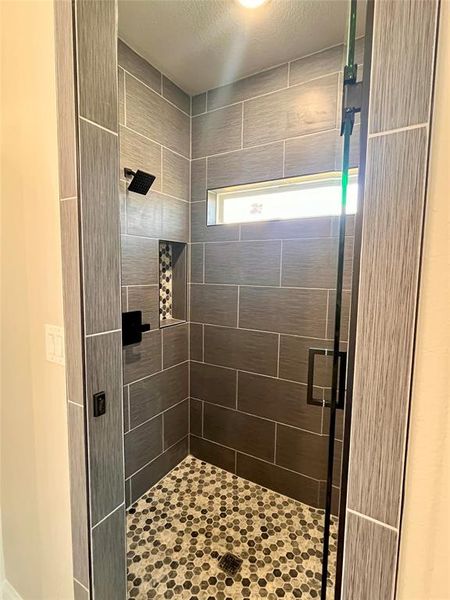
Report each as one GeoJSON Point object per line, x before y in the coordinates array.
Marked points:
{"type": "Point", "coordinates": [182, 527]}
{"type": "Point", "coordinates": [165, 280]}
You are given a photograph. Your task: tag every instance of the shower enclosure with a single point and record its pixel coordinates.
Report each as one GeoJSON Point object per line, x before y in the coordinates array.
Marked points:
{"type": "Point", "coordinates": [239, 262]}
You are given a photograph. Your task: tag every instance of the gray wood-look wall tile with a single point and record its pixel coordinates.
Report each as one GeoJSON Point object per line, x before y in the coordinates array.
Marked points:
{"type": "Point", "coordinates": [139, 67]}
{"type": "Point", "coordinates": [199, 103]}
{"type": "Point", "coordinates": [144, 214]}
{"type": "Point", "coordinates": [214, 304]}
{"type": "Point", "coordinates": [345, 315]}
{"type": "Point", "coordinates": [295, 228]}
{"type": "Point", "coordinates": [196, 417]}
{"type": "Point", "coordinates": [150, 474]}
{"type": "Point", "coordinates": [154, 117]}
{"type": "Point", "coordinates": [317, 65]}
{"type": "Point", "coordinates": [404, 38]}
{"type": "Point", "coordinates": [201, 233]}
{"type": "Point", "coordinates": [176, 175]}
{"type": "Point", "coordinates": [219, 131]}
{"type": "Point", "coordinates": [141, 360]}
{"type": "Point", "coordinates": [311, 154]}
{"type": "Point", "coordinates": [213, 453]}
{"type": "Point", "coordinates": [175, 219]}
{"type": "Point", "coordinates": [294, 359]}
{"type": "Point", "coordinates": [312, 263]}
{"type": "Point", "coordinates": [65, 86]}
{"type": "Point", "coordinates": [96, 45]}
{"type": "Point", "coordinates": [238, 431]}
{"type": "Point", "coordinates": [276, 478]}
{"type": "Point", "coordinates": [307, 108]}
{"type": "Point", "coordinates": [70, 250]}
{"type": "Point", "coordinates": [108, 557]}
{"type": "Point", "coordinates": [176, 422]}
{"type": "Point", "coordinates": [284, 310]}
{"type": "Point", "coordinates": [175, 345]}
{"type": "Point", "coordinates": [143, 444]}
{"type": "Point", "coordinates": [139, 261]}
{"type": "Point", "coordinates": [176, 95]}
{"type": "Point", "coordinates": [121, 83]}
{"type": "Point", "coordinates": [387, 304]}
{"type": "Point", "coordinates": [104, 374]}
{"type": "Point", "coordinates": [126, 412]}
{"type": "Point", "coordinates": [302, 451]}
{"type": "Point", "coordinates": [253, 351]}
{"type": "Point", "coordinates": [159, 392]}
{"type": "Point", "coordinates": [249, 87]}
{"type": "Point", "coordinates": [196, 263]}
{"type": "Point", "coordinates": [79, 592]}
{"type": "Point", "coordinates": [246, 166]}
{"type": "Point", "coordinates": [78, 492]}
{"type": "Point", "coordinates": [243, 263]}
{"type": "Point", "coordinates": [196, 333]}
{"type": "Point", "coordinates": [278, 400]}
{"type": "Point", "coordinates": [100, 212]}
{"type": "Point", "coordinates": [146, 299]}
{"type": "Point", "coordinates": [137, 152]}
{"type": "Point", "coordinates": [198, 180]}
{"type": "Point", "coordinates": [213, 384]}
{"type": "Point", "coordinates": [371, 551]}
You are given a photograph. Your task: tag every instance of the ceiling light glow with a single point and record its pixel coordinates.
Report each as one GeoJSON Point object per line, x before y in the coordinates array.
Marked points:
{"type": "Point", "coordinates": [251, 3]}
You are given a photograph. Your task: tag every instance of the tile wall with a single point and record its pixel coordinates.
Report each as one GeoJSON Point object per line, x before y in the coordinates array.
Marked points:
{"type": "Point", "coordinates": [154, 117]}
{"type": "Point", "coordinates": [263, 293]}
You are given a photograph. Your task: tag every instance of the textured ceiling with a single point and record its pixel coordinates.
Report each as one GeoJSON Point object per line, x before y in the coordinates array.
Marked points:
{"type": "Point", "coordinates": [201, 44]}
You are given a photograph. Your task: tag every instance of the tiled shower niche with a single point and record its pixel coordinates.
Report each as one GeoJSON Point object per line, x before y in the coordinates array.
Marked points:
{"type": "Point", "coordinates": [172, 283]}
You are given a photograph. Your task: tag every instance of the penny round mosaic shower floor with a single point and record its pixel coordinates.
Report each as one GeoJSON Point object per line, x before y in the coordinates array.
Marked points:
{"type": "Point", "coordinates": [180, 532]}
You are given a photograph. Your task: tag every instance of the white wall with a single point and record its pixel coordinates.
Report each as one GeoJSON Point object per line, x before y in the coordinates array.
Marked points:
{"type": "Point", "coordinates": [34, 461]}
{"type": "Point", "coordinates": [425, 551]}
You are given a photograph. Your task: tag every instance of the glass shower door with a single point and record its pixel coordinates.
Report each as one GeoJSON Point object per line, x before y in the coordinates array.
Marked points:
{"type": "Point", "coordinates": [335, 403]}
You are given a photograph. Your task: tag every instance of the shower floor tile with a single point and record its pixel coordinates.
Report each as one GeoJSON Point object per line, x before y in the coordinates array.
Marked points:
{"type": "Point", "coordinates": [181, 528]}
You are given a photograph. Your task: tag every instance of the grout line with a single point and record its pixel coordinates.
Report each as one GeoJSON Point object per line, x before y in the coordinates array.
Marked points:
{"type": "Point", "coordinates": [294, 335]}
{"type": "Point", "coordinates": [160, 94]}
{"type": "Point", "coordinates": [235, 462]}
{"type": "Point", "coordinates": [260, 459]}
{"type": "Point", "coordinates": [156, 458]}
{"type": "Point", "coordinates": [397, 130]}
{"type": "Point", "coordinates": [156, 415]}
{"type": "Point", "coordinates": [76, 404]}
{"type": "Point", "coordinates": [155, 141]}
{"type": "Point", "coordinates": [162, 430]}
{"type": "Point", "coordinates": [90, 335]}
{"type": "Point", "coordinates": [254, 415]}
{"type": "Point", "coordinates": [242, 126]}
{"type": "Point", "coordinates": [203, 342]}
{"type": "Point", "coordinates": [275, 444]}
{"type": "Point", "coordinates": [203, 416]}
{"type": "Point", "coordinates": [161, 370]}
{"type": "Point", "coordinates": [272, 287]}
{"type": "Point", "coordinates": [204, 262]}
{"type": "Point", "coordinates": [80, 584]}
{"type": "Point", "coordinates": [372, 520]}
{"type": "Point", "coordinates": [68, 198]}
{"type": "Point", "coordinates": [284, 158]}
{"type": "Point", "coordinates": [295, 137]}
{"type": "Point", "coordinates": [278, 356]}
{"type": "Point", "coordinates": [108, 515]}
{"type": "Point", "coordinates": [237, 390]}
{"type": "Point", "coordinates": [238, 305]}
{"type": "Point", "coordinates": [97, 125]}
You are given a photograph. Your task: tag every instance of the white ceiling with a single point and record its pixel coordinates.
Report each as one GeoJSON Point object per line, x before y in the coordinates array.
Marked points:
{"type": "Point", "coordinates": [201, 44]}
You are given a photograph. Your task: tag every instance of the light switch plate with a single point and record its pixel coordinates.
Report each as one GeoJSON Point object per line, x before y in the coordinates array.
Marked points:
{"type": "Point", "coordinates": [54, 344]}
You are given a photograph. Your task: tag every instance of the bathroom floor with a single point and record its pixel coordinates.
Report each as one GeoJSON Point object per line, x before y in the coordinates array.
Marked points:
{"type": "Point", "coordinates": [185, 524]}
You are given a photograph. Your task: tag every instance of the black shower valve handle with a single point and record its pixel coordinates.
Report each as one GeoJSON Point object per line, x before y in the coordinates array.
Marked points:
{"type": "Point", "coordinates": [145, 327]}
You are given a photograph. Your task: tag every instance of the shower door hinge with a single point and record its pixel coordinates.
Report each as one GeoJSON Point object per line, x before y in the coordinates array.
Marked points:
{"type": "Point", "coordinates": [351, 97]}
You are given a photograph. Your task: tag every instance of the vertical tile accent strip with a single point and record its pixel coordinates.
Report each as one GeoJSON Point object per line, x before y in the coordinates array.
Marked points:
{"type": "Point", "coordinates": [392, 222]}
{"type": "Point", "coordinates": [371, 556]}
{"type": "Point", "coordinates": [387, 299]}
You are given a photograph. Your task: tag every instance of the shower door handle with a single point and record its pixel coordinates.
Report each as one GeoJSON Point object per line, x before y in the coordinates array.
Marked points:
{"type": "Point", "coordinates": [340, 399]}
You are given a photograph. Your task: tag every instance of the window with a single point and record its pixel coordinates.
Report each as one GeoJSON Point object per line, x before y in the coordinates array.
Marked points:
{"type": "Point", "coordinates": [291, 198]}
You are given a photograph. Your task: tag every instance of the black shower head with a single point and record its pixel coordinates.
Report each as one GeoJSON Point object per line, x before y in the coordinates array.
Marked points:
{"type": "Point", "coordinates": [140, 182]}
